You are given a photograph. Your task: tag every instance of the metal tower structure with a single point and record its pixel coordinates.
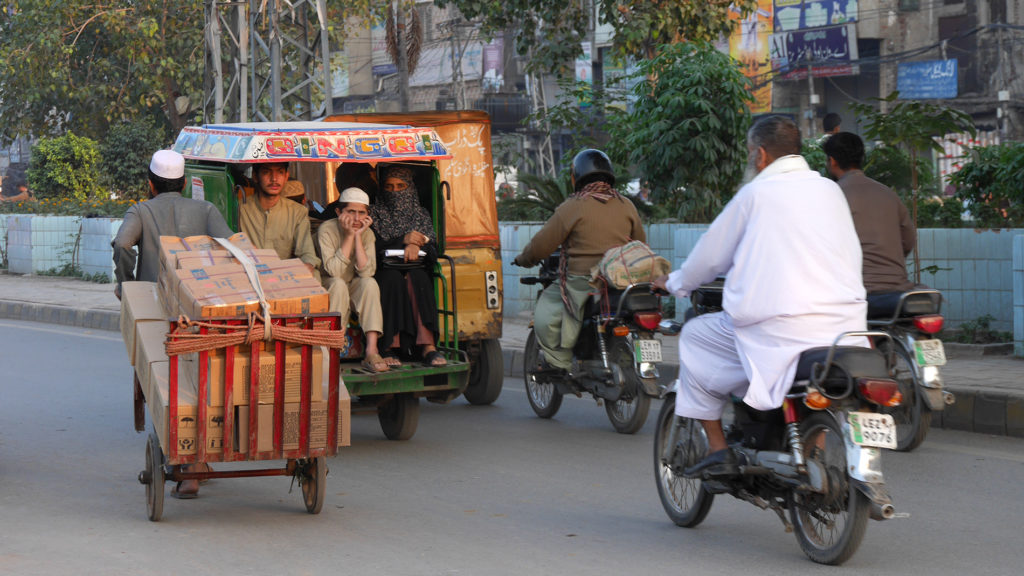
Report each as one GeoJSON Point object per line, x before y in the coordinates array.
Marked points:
{"type": "Point", "coordinates": [266, 60]}
{"type": "Point", "coordinates": [545, 156]}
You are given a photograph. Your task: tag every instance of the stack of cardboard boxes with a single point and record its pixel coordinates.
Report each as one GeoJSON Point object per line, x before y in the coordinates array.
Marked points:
{"type": "Point", "coordinates": [200, 279]}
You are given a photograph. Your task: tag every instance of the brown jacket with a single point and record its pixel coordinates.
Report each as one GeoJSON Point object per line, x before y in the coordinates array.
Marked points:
{"type": "Point", "coordinates": [886, 232]}
{"type": "Point", "coordinates": [588, 228]}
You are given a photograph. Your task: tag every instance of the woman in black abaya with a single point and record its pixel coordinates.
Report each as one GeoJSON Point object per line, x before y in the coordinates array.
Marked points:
{"type": "Point", "coordinates": [406, 289]}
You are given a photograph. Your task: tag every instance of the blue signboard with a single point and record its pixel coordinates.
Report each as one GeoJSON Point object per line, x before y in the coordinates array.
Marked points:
{"type": "Point", "coordinates": [929, 79]}
{"type": "Point", "coordinates": [799, 14]}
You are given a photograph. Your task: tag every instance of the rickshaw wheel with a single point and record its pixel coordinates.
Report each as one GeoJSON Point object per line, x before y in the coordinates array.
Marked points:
{"type": "Point", "coordinates": [399, 416]}
{"type": "Point", "coordinates": [155, 485]}
{"type": "Point", "coordinates": [313, 479]}
{"type": "Point", "coordinates": [487, 373]}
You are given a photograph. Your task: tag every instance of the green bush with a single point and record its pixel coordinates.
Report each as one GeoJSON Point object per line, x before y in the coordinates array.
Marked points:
{"type": "Point", "coordinates": [989, 184]}
{"type": "Point", "coordinates": [980, 332]}
{"type": "Point", "coordinates": [125, 156]}
{"type": "Point", "coordinates": [65, 167]}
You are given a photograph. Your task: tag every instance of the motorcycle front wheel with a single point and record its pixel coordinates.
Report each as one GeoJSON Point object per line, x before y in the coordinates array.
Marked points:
{"type": "Point", "coordinates": [912, 416]}
{"type": "Point", "coordinates": [684, 499]}
{"type": "Point", "coordinates": [829, 526]}
{"type": "Point", "coordinates": [628, 414]}
{"type": "Point", "coordinates": [544, 398]}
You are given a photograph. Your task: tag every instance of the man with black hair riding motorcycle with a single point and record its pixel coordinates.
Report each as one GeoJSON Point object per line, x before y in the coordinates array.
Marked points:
{"type": "Point", "coordinates": [593, 220]}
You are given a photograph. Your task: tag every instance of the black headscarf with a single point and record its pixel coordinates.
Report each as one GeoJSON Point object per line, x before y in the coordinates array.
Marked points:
{"type": "Point", "coordinates": [399, 213]}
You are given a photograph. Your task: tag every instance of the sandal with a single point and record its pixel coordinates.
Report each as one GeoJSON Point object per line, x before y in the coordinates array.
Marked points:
{"type": "Point", "coordinates": [391, 359]}
{"type": "Point", "coordinates": [434, 358]}
{"type": "Point", "coordinates": [374, 363]}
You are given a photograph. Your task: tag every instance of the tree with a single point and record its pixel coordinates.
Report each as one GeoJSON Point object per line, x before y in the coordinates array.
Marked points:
{"type": "Point", "coordinates": [687, 132]}
{"type": "Point", "coordinates": [913, 126]}
{"type": "Point", "coordinates": [65, 167]}
{"type": "Point", "coordinates": [125, 154]}
{"type": "Point", "coordinates": [552, 31]}
{"type": "Point", "coordinates": [989, 185]}
{"type": "Point", "coordinates": [81, 65]}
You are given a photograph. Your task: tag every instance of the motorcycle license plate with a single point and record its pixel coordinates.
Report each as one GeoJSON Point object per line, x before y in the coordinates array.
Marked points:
{"type": "Point", "coordinates": [648, 350]}
{"type": "Point", "coordinates": [874, 430]}
{"type": "Point", "coordinates": [929, 353]}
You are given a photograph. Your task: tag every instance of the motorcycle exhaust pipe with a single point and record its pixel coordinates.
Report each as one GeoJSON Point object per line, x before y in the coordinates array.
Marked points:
{"type": "Point", "coordinates": [882, 511]}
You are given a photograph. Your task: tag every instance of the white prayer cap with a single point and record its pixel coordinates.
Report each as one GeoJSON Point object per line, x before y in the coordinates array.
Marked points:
{"type": "Point", "coordinates": [168, 164]}
{"type": "Point", "coordinates": [354, 195]}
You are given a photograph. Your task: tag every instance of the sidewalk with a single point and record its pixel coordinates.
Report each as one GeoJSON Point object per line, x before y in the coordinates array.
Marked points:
{"type": "Point", "coordinates": [989, 389]}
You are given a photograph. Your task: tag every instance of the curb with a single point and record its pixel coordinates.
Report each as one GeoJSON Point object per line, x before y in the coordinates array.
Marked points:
{"type": "Point", "coordinates": [981, 411]}
{"type": "Point", "coordinates": [94, 319]}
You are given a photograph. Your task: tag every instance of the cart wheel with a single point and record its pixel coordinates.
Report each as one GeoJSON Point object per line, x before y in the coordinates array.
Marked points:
{"type": "Point", "coordinates": [399, 416]}
{"type": "Point", "coordinates": [153, 478]}
{"type": "Point", "coordinates": [313, 479]}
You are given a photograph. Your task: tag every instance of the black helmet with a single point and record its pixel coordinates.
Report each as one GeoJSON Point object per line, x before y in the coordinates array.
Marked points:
{"type": "Point", "coordinates": [590, 166]}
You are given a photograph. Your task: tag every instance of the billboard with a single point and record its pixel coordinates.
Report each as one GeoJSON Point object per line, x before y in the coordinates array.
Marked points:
{"type": "Point", "coordinates": [749, 45]}
{"type": "Point", "coordinates": [828, 51]}
{"type": "Point", "coordinates": [799, 14]}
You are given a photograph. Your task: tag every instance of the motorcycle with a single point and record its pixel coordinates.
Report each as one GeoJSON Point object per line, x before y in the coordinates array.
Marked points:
{"type": "Point", "coordinates": [911, 322]}
{"type": "Point", "coordinates": [817, 458]}
{"type": "Point", "coordinates": [615, 358]}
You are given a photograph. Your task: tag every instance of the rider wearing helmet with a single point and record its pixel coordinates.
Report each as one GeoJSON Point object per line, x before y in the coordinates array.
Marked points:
{"type": "Point", "coordinates": [595, 219]}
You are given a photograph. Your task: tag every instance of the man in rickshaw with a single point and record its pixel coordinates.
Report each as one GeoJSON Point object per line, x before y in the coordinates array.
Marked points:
{"type": "Point", "coordinates": [348, 247]}
{"type": "Point", "coordinates": [272, 224]}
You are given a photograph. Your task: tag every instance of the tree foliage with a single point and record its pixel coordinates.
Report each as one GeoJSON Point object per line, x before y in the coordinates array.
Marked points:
{"type": "Point", "coordinates": [551, 31]}
{"type": "Point", "coordinates": [687, 132]}
{"type": "Point", "coordinates": [989, 185]}
{"type": "Point", "coordinates": [125, 156]}
{"type": "Point", "coordinates": [81, 65]}
{"type": "Point", "coordinates": [65, 167]}
{"type": "Point", "coordinates": [912, 126]}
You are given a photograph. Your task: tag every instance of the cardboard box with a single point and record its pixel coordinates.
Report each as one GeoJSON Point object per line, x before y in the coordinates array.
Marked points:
{"type": "Point", "coordinates": [187, 418]}
{"type": "Point", "coordinates": [290, 437]}
{"type": "Point", "coordinates": [215, 375]}
{"type": "Point", "coordinates": [139, 303]}
{"type": "Point", "coordinates": [149, 350]}
{"type": "Point", "coordinates": [207, 258]}
{"type": "Point", "coordinates": [170, 246]}
{"type": "Point", "coordinates": [233, 295]}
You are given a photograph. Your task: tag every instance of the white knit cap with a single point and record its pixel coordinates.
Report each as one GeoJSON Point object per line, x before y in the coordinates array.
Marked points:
{"type": "Point", "coordinates": [168, 164]}
{"type": "Point", "coordinates": [354, 195]}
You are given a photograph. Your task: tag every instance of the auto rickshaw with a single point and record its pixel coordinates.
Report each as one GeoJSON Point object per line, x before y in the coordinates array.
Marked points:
{"type": "Point", "coordinates": [449, 153]}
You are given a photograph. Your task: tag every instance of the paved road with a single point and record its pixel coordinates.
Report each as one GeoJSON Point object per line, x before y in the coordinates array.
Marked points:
{"type": "Point", "coordinates": [478, 490]}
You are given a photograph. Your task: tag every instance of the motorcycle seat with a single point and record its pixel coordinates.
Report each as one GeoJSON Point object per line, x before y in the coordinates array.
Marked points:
{"type": "Point", "coordinates": [884, 306]}
{"type": "Point", "coordinates": [848, 364]}
{"type": "Point", "coordinates": [638, 299]}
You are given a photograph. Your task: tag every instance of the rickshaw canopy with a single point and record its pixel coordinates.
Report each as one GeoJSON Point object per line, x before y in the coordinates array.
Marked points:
{"type": "Point", "coordinates": [309, 142]}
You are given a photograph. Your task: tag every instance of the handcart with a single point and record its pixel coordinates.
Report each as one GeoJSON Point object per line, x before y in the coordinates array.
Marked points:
{"type": "Point", "coordinates": [306, 459]}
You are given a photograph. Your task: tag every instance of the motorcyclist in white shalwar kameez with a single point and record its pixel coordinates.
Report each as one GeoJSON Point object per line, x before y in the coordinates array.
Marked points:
{"type": "Point", "coordinates": [792, 260]}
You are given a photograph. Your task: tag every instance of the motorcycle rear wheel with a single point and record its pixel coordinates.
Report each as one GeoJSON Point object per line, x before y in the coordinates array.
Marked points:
{"type": "Point", "coordinates": [684, 499]}
{"type": "Point", "coordinates": [544, 398]}
{"type": "Point", "coordinates": [913, 418]}
{"type": "Point", "coordinates": [628, 414]}
{"type": "Point", "coordinates": [830, 526]}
